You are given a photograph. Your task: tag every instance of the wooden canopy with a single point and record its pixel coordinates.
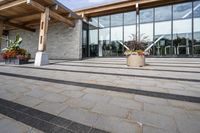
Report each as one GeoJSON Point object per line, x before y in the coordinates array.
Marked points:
{"type": "Point", "coordinates": [24, 14]}
{"type": "Point", "coordinates": [127, 5]}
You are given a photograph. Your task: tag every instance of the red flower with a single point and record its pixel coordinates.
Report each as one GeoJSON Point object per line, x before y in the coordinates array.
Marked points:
{"type": "Point", "coordinates": [9, 54]}
{"type": "Point", "coordinates": [20, 54]}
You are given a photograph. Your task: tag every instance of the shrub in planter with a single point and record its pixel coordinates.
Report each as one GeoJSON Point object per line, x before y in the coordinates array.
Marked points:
{"type": "Point", "coordinates": [135, 51]}
{"type": "Point", "coordinates": [13, 54]}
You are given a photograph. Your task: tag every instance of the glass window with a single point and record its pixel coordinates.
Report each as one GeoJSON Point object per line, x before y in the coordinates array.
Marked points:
{"type": "Point", "coordinates": [146, 26]}
{"type": "Point", "coordinates": [84, 44]}
{"type": "Point", "coordinates": [163, 13]}
{"type": "Point", "coordinates": [128, 32]}
{"type": "Point", "coordinates": [163, 16]}
{"type": "Point", "coordinates": [93, 43]}
{"type": "Point", "coordinates": [84, 37]}
{"type": "Point", "coordinates": [197, 9]}
{"type": "Point", "coordinates": [93, 23]}
{"type": "Point", "coordinates": [129, 25]}
{"type": "Point", "coordinates": [182, 29]}
{"type": "Point", "coordinates": [106, 31]}
{"type": "Point", "coordinates": [163, 47]}
{"type": "Point", "coordinates": [196, 28]}
{"type": "Point", "coordinates": [117, 20]}
{"type": "Point", "coordinates": [104, 34]}
{"type": "Point", "coordinates": [93, 37]}
{"type": "Point", "coordinates": [116, 33]}
{"type": "Point", "coordinates": [146, 15]}
{"type": "Point", "coordinates": [104, 41]}
{"type": "Point", "coordinates": [129, 18]}
{"type": "Point", "coordinates": [147, 30]}
{"type": "Point", "coordinates": [182, 11]}
{"type": "Point", "coordinates": [116, 36]}
{"type": "Point", "coordinates": [104, 21]}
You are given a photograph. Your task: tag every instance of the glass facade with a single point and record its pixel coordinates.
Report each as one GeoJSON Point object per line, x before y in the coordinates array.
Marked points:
{"type": "Point", "coordinates": [129, 25]}
{"type": "Point", "coordinates": [196, 28]}
{"type": "Point", "coordinates": [104, 36]}
{"type": "Point", "coordinates": [93, 37]}
{"type": "Point", "coordinates": [116, 34]}
{"type": "Point", "coordinates": [146, 26]}
{"type": "Point", "coordinates": [178, 25]}
{"type": "Point", "coordinates": [182, 29]}
{"type": "Point", "coordinates": [163, 27]}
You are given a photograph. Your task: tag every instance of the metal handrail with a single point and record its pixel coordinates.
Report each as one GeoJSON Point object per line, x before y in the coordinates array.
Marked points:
{"type": "Point", "coordinates": [149, 47]}
{"type": "Point", "coordinates": [123, 45]}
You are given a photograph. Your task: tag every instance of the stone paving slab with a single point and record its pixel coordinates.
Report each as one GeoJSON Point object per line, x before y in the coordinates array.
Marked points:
{"type": "Point", "coordinates": [8, 125]}
{"type": "Point", "coordinates": [111, 110]}
{"type": "Point", "coordinates": [28, 101]}
{"type": "Point", "coordinates": [155, 120]}
{"type": "Point", "coordinates": [52, 108]}
{"type": "Point", "coordinates": [117, 125]}
{"type": "Point", "coordinates": [126, 103]}
{"type": "Point", "coordinates": [80, 115]}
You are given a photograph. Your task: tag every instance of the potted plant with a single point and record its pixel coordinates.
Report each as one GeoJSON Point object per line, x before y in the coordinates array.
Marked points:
{"type": "Point", "coordinates": [135, 51]}
{"type": "Point", "coordinates": [13, 54]}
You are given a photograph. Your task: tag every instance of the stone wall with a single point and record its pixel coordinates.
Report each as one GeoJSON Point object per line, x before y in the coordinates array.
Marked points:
{"type": "Point", "coordinates": [62, 42]}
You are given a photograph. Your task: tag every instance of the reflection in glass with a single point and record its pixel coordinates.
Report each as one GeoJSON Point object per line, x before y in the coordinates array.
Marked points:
{"type": "Point", "coordinates": [84, 44]}
{"type": "Point", "coordinates": [93, 23]}
{"type": "Point", "coordinates": [115, 49]}
{"type": "Point", "coordinates": [130, 18]}
{"type": "Point", "coordinates": [146, 30]}
{"type": "Point", "coordinates": [196, 47]}
{"type": "Point", "coordinates": [104, 41]}
{"type": "Point", "coordinates": [163, 28]}
{"type": "Point", "coordinates": [146, 15]}
{"type": "Point", "coordinates": [105, 31]}
{"type": "Point", "coordinates": [104, 21]}
{"type": "Point", "coordinates": [163, 46]}
{"type": "Point", "coordinates": [93, 43]}
{"type": "Point", "coordinates": [104, 34]}
{"type": "Point", "coordinates": [182, 11]}
{"type": "Point", "coordinates": [163, 13]}
{"type": "Point", "coordinates": [116, 35]}
{"type": "Point", "coordinates": [129, 25]}
{"type": "Point", "coordinates": [146, 26]}
{"type": "Point", "coordinates": [129, 30]}
{"type": "Point", "coordinates": [182, 29]}
{"type": "Point", "coordinates": [117, 20]}
{"type": "Point", "coordinates": [93, 37]}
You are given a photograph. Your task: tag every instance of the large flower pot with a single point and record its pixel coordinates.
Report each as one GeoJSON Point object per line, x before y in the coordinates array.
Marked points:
{"type": "Point", "coordinates": [136, 60]}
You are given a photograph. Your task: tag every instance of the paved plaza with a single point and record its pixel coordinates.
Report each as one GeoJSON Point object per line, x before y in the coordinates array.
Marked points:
{"type": "Point", "coordinates": [101, 95]}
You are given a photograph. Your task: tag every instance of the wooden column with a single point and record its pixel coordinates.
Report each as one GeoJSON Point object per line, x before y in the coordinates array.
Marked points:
{"type": "Point", "coordinates": [43, 30]}
{"type": "Point", "coordinates": [1, 32]}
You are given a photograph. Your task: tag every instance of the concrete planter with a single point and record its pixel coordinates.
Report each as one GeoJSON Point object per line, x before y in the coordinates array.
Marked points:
{"type": "Point", "coordinates": [16, 61]}
{"type": "Point", "coordinates": [136, 60]}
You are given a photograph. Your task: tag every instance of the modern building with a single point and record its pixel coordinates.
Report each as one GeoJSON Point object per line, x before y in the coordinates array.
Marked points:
{"type": "Point", "coordinates": [177, 22]}
{"type": "Point", "coordinates": [98, 31]}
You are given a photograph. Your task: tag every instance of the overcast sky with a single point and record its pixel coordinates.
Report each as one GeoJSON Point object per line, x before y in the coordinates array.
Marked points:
{"type": "Point", "coordinates": [81, 4]}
